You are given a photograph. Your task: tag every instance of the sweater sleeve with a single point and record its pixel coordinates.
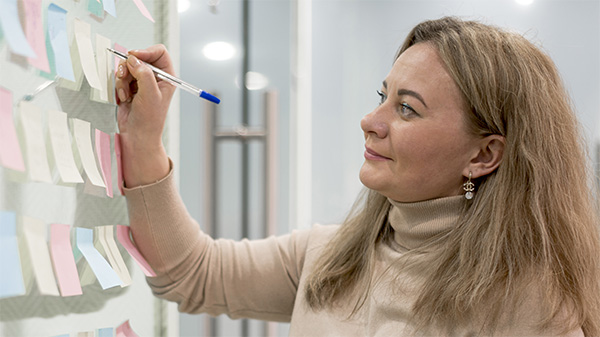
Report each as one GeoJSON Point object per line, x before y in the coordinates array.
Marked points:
{"type": "Point", "coordinates": [252, 279]}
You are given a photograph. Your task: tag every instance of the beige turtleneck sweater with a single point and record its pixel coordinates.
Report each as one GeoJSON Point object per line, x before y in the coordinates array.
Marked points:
{"type": "Point", "coordinates": [264, 279]}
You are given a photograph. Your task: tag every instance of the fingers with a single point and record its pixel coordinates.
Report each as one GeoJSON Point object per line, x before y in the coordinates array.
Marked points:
{"type": "Point", "coordinates": [157, 56]}
{"type": "Point", "coordinates": [122, 85]}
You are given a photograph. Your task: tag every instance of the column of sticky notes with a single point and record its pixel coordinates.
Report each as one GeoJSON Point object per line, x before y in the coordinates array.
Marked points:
{"type": "Point", "coordinates": [48, 248]}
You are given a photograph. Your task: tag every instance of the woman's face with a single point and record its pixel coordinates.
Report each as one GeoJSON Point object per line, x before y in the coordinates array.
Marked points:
{"type": "Point", "coordinates": [417, 144]}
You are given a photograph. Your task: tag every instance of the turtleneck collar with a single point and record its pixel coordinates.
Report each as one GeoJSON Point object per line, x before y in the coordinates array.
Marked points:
{"type": "Point", "coordinates": [415, 223]}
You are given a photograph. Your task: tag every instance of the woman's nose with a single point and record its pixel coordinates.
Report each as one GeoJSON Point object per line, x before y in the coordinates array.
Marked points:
{"type": "Point", "coordinates": [374, 123]}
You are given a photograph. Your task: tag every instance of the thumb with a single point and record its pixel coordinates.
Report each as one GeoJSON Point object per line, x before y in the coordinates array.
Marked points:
{"type": "Point", "coordinates": [146, 81]}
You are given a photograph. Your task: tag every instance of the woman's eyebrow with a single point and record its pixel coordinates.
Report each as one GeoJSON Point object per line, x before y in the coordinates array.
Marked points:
{"type": "Point", "coordinates": [402, 92]}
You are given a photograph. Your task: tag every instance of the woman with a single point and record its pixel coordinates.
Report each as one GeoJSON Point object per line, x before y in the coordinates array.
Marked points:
{"type": "Point", "coordinates": [478, 217]}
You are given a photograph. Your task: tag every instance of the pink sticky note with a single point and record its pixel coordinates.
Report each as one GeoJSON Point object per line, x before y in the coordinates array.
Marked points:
{"type": "Point", "coordinates": [10, 151]}
{"type": "Point", "coordinates": [63, 260]}
{"type": "Point", "coordinates": [103, 152]}
{"type": "Point", "coordinates": [119, 164]}
{"type": "Point", "coordinates": [35, 34]}
{"type": "Point", "coordinates": [125, 240]}
{"type": "Point", "coordinates": [125, 330]}
{"type": "Point", "coordinates": [140, 5]}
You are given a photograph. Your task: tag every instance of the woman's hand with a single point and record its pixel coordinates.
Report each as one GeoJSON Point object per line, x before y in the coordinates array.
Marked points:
{"type": "Point", "coordinates": [143, 105]}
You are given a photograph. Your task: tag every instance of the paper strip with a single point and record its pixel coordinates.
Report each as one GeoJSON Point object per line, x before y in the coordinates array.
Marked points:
{"type": "Point", "coordinates": [37, 159]}
{"type": "Point", "coordinates": [105, 235]}
{"type": "Point", "coordinates": [125, 240]}
{"type": "Point", "coordinates": [61, 146]}
{"type": "Point", "coordinates": [119, 164]}
{"type": "Point", "coordinates": [125, 330]}
{"type": "Point", "coordinates": [13, 31]}
{"type": "Point", "coordinates": [103, 152]}
{"type": "Point", "coordinates": [81, 130]}
{"type": "Point", "coordinates": [140, 5]}
{"type": "Point", "coordinates": [64, 261]}
{"type": "Point", "coordinates": [104, 71]}
{"type": "Point", "coordinates": [105, 332]}
{"type": "Point", "coordinates": [109, 7]}
{"type": "Point", "coordinates": [10, 151]}
{"type": "Point", "coordinates": [35, 236]}
{"type": "Point", "coordinates": [57, 31]}
{"type": "Point", "coordinates": [86, 52]}
{"type": "Point", "coordinates": [11, 275]}
{"type": "Point", "coordinates": [95, 7]}
{"type": "Point", "coordinates": [107, 277]}
{"type": "Point", "coordinates": [35, 34]}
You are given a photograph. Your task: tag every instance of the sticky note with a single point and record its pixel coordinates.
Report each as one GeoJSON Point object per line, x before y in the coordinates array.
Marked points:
{"type": "Point", "coordinates": [13, 31]}
{"type": "Point", "coordinates": [123, 50]}
{"type": "Point", "coordinates": [109, 7]}
{"type": "Point", "coordinates": [105, 332]}
{"type": "Point", "coordinates": [95, 7]}
{"type": "Point", "coordinates": [11, 276]}
{"type": "Point", "coordinates": [140, 5]}
{"type": "Point", "coordinates": [105, 235]}
{"type": "Point", "coordinates": [37, 159]}
{"type": "Point", "coordinates": [85, 334]}
{"type": "Point", "coordinates": [63, 260]}
{"type": "Point", "coordinates": [86, 53]}
{"type": "Point", "coordinates": [104, 70]}
{"type": "Point", "coordinates": [61, 146]}
{"type": "Point", "coordinates": [125, 330]}
{"type": "Point", "coordinates": [119, 164]}
{"type": "Point", "coordinates": [35, 232]}
{"type": "Point", "coordinates": [123, 235]}
{"type": "Point", "coordinates": [34, 29]}
{"type": "Point", "coordinates": [106, 276]}
{"type": "Point", "coordinates": [81, 130]}
{"type": "Point", "coordinates": [57, 31]}
{"type": "Point", "coordinates": [10, 151]}
{"type": "Point", "coordinates": [103, 152]}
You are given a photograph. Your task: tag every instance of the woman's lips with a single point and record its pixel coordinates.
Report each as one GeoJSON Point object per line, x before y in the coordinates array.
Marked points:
{"type": "Point", "coordinates": [372, 155]}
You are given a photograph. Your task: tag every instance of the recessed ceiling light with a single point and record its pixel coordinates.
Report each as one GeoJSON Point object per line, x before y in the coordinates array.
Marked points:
{"type": "Point", "coordinates": [218, 51]}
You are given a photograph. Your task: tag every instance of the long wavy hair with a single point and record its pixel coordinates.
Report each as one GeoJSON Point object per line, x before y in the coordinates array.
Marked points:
{"type": "Point", "coordinates": [533, 219]}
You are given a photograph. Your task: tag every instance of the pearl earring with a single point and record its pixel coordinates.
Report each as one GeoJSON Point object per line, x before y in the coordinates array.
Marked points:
{"type": "Point", "coordinates": [469, 187]}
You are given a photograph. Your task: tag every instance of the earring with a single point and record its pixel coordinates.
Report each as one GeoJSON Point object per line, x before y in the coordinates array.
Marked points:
{"type": "Point", "coordinates": [469, 187]}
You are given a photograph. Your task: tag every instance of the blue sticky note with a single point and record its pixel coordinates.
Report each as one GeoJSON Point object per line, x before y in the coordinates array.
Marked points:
{"type": "Point", "coordinates": [105, 332]}
{"type": "Point", "coordinates": [57, 31]}
{"type": "Point", "coordinates": [11, 276]}
{"type": "Point", "coordinates": [109, 7]}
{"type": "Point", "coordinates": [107, 276]}
{"type": "Point", "coordinates": [9, 19]}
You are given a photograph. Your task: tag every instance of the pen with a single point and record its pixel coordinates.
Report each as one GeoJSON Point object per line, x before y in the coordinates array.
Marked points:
{"type": "Point", "coordinates": [173, 80]}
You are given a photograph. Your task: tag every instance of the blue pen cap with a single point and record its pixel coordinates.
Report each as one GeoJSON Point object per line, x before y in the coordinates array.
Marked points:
{"type": "Point", "coordinates": [209, 97]}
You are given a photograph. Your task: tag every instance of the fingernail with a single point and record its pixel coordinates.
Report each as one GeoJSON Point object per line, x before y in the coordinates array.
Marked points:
{"type": "Point", "coordinates": [121, 71]}
{"type": "Point", "coordinates": [122, 96]}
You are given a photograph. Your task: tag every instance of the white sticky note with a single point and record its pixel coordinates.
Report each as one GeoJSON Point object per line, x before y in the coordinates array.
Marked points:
{"type": "Point", "coordinates": [107, 277]}
{"type": "Point", "coordinates": [61, 146]}
{"type": "Point", "coordinates": [37, 160]}
{"type": "Point", "coordinates": [104, 72]}
{"type": "Point", "coordinates": [106, 237]}
{"type": "Point", "coordinates": [86, 53]}
{"type": "Point", "coordinates": [81, 130]}
{"type": "Point", "coordinates": [35, 231]}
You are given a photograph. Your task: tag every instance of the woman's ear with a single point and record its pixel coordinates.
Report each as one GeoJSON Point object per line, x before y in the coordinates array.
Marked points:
{"type": "Point", "coordinates": [487, 158]}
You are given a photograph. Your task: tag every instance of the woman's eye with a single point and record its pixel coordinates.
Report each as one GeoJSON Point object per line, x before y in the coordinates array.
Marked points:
{"type": "Point", "coordinates": [382, 96]}
{"type": "Point", "coordinates": [407, 111]}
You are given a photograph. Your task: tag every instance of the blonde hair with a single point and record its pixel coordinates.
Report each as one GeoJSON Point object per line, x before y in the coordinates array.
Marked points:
{"type": "Point", "coordinates": [533, 216]}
